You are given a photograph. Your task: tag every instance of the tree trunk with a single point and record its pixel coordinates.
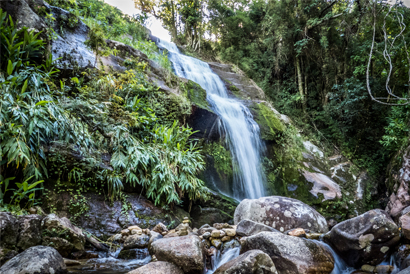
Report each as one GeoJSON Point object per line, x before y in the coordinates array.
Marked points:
{"type": "Point", "coordinates": [300, 84]}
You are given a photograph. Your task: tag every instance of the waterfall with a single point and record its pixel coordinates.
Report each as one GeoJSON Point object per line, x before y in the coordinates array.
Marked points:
{"type": "Point", "coordinates": [237, 122]}
{"type": "Point", "coordinates": [222, 258]}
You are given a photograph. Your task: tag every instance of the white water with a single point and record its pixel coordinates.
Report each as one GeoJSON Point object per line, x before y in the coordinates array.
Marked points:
{"type": "Point", "coordinates": [237, 122]}
{"type": "Point", "coordinates": [221, 259]}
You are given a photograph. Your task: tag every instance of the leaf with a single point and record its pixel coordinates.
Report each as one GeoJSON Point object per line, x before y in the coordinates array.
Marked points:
{"type": "Point", "coordinates": [10, 68]}
{"type": "Point", "coordinates": [43, 103]}
{"type": "Point", "coordinates": [24, 86]}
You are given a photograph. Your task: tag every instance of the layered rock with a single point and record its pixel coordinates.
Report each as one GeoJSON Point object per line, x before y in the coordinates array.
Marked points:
{"type": "Point", "coordinates": [36, 260]}
{"type": "Point", "coordinates": [158, 268]}
{"type": "Point", "coordinates": [291, 255]}
{"type": "Point", "coordinates": [251, 262]}
{"type": "Point", "coordinates": [185, 252]}
{"type": "Point", "coordinates": [281, 213]}
{"type": "Point", "coordinates": [366, 239]}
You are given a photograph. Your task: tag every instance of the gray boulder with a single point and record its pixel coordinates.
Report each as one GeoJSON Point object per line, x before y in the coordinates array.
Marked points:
{"type": "Point", "coordinates": [250, 262]}
{"type": "Point", "coordinates": [136, 253]}
{"type": "Point", "coordinates": [291, 255]}
{"type": "Point", "coordinates": [185, 252]}
{"type": "Point", "coordinates": [281, 213]}
{"type": "Point", "coordinates": [30, 231]}
{"type": "Point", "coordinates": [136, 241]}
{"type": "Point", "coordinates": [36, 260]}
{"type": "Point", "coordinates": [248, 228]}
{"type": "Point", "coordinates": [8, 230]}
{"type": "Point", "coordinates": [158, 268]}
{"type": "Point", "coordinates": [366, 239]}
{"type": "Point", "coordinates": [61, 234]}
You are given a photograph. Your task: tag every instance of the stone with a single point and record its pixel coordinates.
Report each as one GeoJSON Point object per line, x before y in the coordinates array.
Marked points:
{"type": "Point", "coordinates": [226, 238]}
{"type": "Point", "coordinates": [331, 223]}
{"type": "Point", "coordinates": [63, 246]}
{"type": "Point", "coordinates": [226, 246]}
{"type": "Point", "coordinates": [157, 268]}
{"type": "Point", "coordinates": [366, 239]}
{"type": "Point", "coordinates": [69, 262]}
{"type": "Point", "coordinates": [313, 236]}
{"type": "Point", "coordinates": [36, 260]}
{"type": "Point", "coordinates": [160, 228]}
{"type": "Point", "coordinates": [32, 210]}
{"type": "Point", "coordinates": [206, 235]}
{"type": "Point", "coordinates": [125, 232]}
{"type": "Point", "coordinates": [155, 236]}
{"type": "Point", "coordinates": [248, 228]}
{"type": "Point", "coordinates": [136, 241]}
{"type": "Point", "coordinates": [134, 227]}
{"type": "Point", "coordinates": [250, 262]}
{"type": "Point", "coordinates": [405, 264]}
{"type": "Point", "coordinates": [324, 185]}
{"type": "Point", "coordinates": [216, 233]}
{"type": "Point", "coordinates": [185, 252]}
{"type": "Point", "coordinates": [220, 226]}
{"type": "Point", "coordinates": [135, 253]}
{"type": "Point", "coordinates": [383, 269]}
{"type": "Point", "coordinates": [8, 230]}
{"type": "Point", "coordinates": [291, 255]}
{"type": "Point", "coordinates": [281, 213]}
{"type": "Point", "coordinates": [229, 232]}
{"type": "Point", "coordinates": [404, 223]}
{"type": "Point", "coordinates": [6, 254]}
{"type": "Point", "coordinates": [206, 228]}
{"type": "Point", "coordinates": [402, 253]}
{"type": "Point", "coordinates": [216, 243]}
{"type": "Point", "coordinates": [297, 232]}
{"type": "Point", "coordinates": [367, 268]}
{"type": "Point", "coordinates": [136, 231]}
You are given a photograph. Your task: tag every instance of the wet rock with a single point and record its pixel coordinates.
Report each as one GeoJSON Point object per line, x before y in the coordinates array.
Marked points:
{"type": "Point", "coordinates": [331, 223]}
{"type": "Point", "coordinates": [154, 237]}
{"type": "Point", "coordinates": [29, 231]}
{"type": "Point", "coordinates": [251, 262]}
{"type": "Point", "coordinates": [365, 239]}
{"type": "Point", "coordinates": [158, 268]}
{"type": "Point", "coordinates": [160, 228]}
{"type": "Point", "coordinates": [291, 254]}
{"type": "Point", "coordinates": [405, 264]}
{"type": "Point", "coordinates": [226, 238]}
{"type": "Point", "coordinates": [216, 243]}
{"type": "Point", "coordinates": [281, 213]}
{"type": "Point", "coordinates": [229, 232]}
{"type": "Point", "coordinates": [383, 269]}
{"type": "Point", "coordinates": [367, 268]}
{"type": "Point", "coordinates": [61, 231]}
{"type": "Point", "coordinates": [136, 241]}
{"type": "Point", "coordinates": [324, 185]}
{"type": "Point", "coordinates": [247, 228]}
{"type": "Point", "coordinates": [68, 262]}
{"type": "Point", "coordinates": [135, 253]}
{"type": "Point", "coordinates": [297, 232]}
{"type": "Point", "coordinates": [402, 253]}
{"type": "Point", "coordinates": [36, 260]}
{"type": "Point", "coordinates": [185, 252]}
{"type": "Point", "coordinates": [206, 228]}
{"type": "Point", "coordinates": [221, 225]}
{"type": "Point", "coordinates": [63, 246]}
{"type": "Point", "coordinates": [8, 230]}
{"type": "Point", "coordinates": [206, 235]}
{"type": "Point", "coordinates": [6, 254]}
{"type": "Point", "coordinates": [229, 245]}
{"type": "Point", "coordinates": [404, 223]}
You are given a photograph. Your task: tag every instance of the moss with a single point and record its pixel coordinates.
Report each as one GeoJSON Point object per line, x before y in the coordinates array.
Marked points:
{"type": "Point", "coordinates": [236, 91]}
{"type": "Point", "coordinates": [196, 94]}
{"type": "Point", "coordinates": [222, 159]}
{"type": "Point", "coordinates": [269, 123]}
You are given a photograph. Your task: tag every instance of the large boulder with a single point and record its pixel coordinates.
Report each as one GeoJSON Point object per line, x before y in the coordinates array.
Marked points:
{"type": "Point", "coordinates": [36, 260]}
{"type": "Point", "coordinates": [250, 262]}
{"type": "Point", "coordinates": [8, 230]}
{"type": "Point", "coordinates": [404, 222]}
{"type": "Point", "coordinates": [281, 213]}
{"type": "Point", "coordinates": [185, 252]}
{"type": "Point", "coordinates": [158, 268]}
{"type": "Point", "coordinates": [248, 228]}
{"type": "Point", "coordinates": [291, 255]}
{"type": "Point", "coordinates": [61, 234]}
{"type": "Point", "coordinates": [29, 231]}
{"type": "Point", "coordinates": [136, 241]}
{"type": "Point", "coordinates": [366, 239]}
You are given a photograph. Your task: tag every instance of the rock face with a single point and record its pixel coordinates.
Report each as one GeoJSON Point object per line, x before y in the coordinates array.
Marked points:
{"type": "Point", "coordinates": [29, 231]}
{"type": "Point", "coordinates": [185, 252]}
{"type": "Point", "coordinates": [248, 228]}
{"type": "Point", "coordinates": [36, 260]}
{"type": "Point", "coordinates": [158, 268]}
{"type": "Point", "coordinates": [106, 219]}
{"type": "Point", "coordinates": [281, 213]}
{"type": "Point", "coordinates": [404, 223]}
{"type": "Point", "coordinates": [61, 234]}
{"type": "Point", "coordinates": [251, 262]}
{"type": "Point", "coordinates": [366, 239]}
{"type": "Point", "coordinates": [291, 255]}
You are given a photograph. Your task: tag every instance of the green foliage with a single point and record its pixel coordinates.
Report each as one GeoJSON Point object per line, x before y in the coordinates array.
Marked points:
{"type": "Point", "coordinates": [222, 159]}
{"type": "Point", "coordinates": [269, 123]}
{"type": "Point", "coordinates": [96, 41]}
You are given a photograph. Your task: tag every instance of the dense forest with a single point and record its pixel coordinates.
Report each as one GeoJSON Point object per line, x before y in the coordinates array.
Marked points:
{"type": "Point", "coordinates": [101, 124]}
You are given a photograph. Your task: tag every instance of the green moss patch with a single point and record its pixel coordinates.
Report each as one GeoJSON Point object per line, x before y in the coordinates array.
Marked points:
{"type": "Point", "coordinates": [196, 94]}
{"type": "Point", "coordinates": [269, 123]}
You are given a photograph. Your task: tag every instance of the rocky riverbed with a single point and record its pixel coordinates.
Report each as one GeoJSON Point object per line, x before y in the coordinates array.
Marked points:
{"type": "Point", "coordinates": [267, 235]}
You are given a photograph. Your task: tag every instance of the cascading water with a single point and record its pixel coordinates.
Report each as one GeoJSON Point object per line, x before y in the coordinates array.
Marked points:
{"type": "Point", "coordinates": [237, 122]}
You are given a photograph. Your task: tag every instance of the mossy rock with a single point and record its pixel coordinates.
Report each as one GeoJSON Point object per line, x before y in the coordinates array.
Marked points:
{"type": "Point", "coordinates": [196, 94]}
{"type": "Point", "coordinates": [269, 123]}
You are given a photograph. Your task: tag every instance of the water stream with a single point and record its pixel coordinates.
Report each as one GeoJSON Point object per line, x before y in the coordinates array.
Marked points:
{"type": "Point", "coordinates": [237, 122]}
